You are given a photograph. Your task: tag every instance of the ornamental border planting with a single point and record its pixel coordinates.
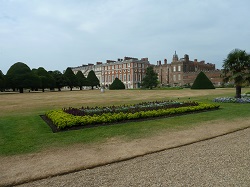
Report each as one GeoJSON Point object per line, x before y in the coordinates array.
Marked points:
{"type": "Point", "coordinates": [62, 120]}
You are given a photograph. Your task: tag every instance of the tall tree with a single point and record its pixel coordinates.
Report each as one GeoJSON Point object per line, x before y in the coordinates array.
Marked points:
{"type": "Point", "coordinates": [20, 76]}
{"type": "Point", "coordinates": [150, 80]}
{"type": "Point", "coordinates": [60, 80]}
{"type": "Point", "coordinates": [45, 77]}
{"type": "Point", "coordinates": [93, 80]}
{"type": "Point", "coordinates": [2, 81]}
{"type": "Point", "coordinates": [236, 68]}
{"type": "Point", "coordinates": [81, 79]}
{"type": "Point", "coordinates": [70, 78]}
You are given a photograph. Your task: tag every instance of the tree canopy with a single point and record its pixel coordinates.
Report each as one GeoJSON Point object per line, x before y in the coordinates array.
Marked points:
{"type": "Point", "coordinates": [81, 80]}
{"type": "Point", "coordinates": [71, 79]}
{"type": "Point", "coordinates": [202, 82]}
{"type": "Point", "coordinates": [93, 80]}
{"type": "Point", "coordinates": [47, 81]}
{"type": "Point", "coordinates": [60, 80]}
{"type": "Point", "coordinates": [20, 76]}
{"type": "Point", "coordinates": [151, 78]}
{"type": "Point", "coordinates": [236, 68]}
{"type": "Point", "coordinates": [117, 84]}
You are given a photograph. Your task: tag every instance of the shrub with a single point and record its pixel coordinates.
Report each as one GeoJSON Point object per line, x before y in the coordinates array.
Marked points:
{"type": "Point", "coordinates": [62, 119]}
{"type": "Point", "coordinates": [117, 84]}
{"type": "Point", "coordinates": [202, 82]}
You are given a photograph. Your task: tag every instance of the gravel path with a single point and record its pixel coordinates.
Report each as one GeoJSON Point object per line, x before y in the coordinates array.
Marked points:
{"type": "Point", "coordinates": [223, 161]}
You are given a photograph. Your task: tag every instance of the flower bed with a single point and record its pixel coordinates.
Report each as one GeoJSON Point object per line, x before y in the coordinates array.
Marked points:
{"type": "Point", "coordinates": [64, 118]}
{"type": "Point", "coordinates": [243, 99]}
{"type": "Point", "coordinates": [144, 106]}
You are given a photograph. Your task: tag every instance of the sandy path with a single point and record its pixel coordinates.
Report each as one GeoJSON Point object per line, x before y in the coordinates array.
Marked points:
{"type": "Point", "coordinates": [19, 169]}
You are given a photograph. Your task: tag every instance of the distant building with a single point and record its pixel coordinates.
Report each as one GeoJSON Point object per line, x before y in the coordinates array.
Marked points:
{"type": "Point", "coordinates": [85, 69]}
{"type": "Point", "coordinates": [182, 71]}
{"type": "Point", "coordinates": [129, 70]}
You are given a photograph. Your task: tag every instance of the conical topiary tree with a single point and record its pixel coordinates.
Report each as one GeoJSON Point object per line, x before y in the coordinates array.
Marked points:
{"type": "Point", "coordinates": [202, 82]}
{"type": "Point", "coordinates": [117, 84]}
{"type": "Point", "coordinates": [70, 77]}
{"type": "Point", "coordinates": [82, 80]}
{"type": "Point", "coordinates": [92, 79]}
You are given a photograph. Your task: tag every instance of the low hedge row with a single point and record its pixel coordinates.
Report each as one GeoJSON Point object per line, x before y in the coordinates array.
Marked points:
{"type": "Point", "coordinates": [61, 119]}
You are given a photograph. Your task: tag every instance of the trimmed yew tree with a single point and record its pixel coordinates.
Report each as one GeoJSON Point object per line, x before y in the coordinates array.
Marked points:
{"type": "Point", "coordinates": [60, 80]}
{"type": "Point", "coordinates": [20, 76]}
{"type": "Point", "coordinates": [71, 79]}
{"type": "Point", "coordinates": [47, 81]}
{"type": "Point", "coordinates": [93, 80]}
{"type": "Point", "coordinates": [81, 79]}
{"type": "Point", "coordinates": [236, 68]}
{"type": "Point", "coordinates": [117, 84]}
{"type": "Point", "coordinates": [202, 82]}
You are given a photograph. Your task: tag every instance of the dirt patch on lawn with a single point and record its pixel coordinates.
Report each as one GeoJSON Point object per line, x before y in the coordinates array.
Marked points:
{"type": "Point", "coordinates": [23, 168]}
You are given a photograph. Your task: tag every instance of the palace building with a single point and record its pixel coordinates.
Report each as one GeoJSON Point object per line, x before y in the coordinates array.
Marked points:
{"type": "Point", "coordinates": [129, 70]}
{"type": "Point", "coordinates": [181, 72]}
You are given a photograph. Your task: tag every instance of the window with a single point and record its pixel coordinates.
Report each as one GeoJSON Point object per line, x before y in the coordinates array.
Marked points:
{"type": "Point", "coordinates": [142, 65]}
{"type": "Point", "coordinates": [135, 65]}
{"type": "Point", "coordinates": [179, 68]}
{"type": "Point", "coordinates": [174, 68]}
{"type": "Point", "coordinates": [124, 77]}
{"type": "Point", "coordinates": [103, 79]}
{"type": "Point", "coordinates": [128, 64]}
{"type": "Point", "coordinates": [179, 77]}
{"type": "Point", "coordinates": [120, 77]}
{"type": "Point", "coordinates": [174, 77]}
{"type": "Point", "coordinates": [112, 78]}
{"type": "Point", "coordinates": [139, 77]}
{"type": "Point", "coordinates": [109, 79]}
{"type": "Point", "coordinates": [135, 77]}
{"type": "Point", "coordinates": [128, 77]}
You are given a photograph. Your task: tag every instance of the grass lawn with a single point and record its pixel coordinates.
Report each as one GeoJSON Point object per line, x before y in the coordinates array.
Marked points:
{"type": "Point", "coordinates": [23, 131]}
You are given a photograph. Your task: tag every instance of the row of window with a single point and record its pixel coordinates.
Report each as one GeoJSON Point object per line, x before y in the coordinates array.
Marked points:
{"type": "Point", "coordinates": [124, 77]}
{"type": "Point", "coordinates": [174, 68]}
{"type": "Point", "coordinates": [179, 77]}
{"type": "Point", "coordinates": [125, 65]}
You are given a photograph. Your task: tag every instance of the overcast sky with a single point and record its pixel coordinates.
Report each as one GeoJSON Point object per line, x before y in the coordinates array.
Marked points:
{"type": "Point", "coordinates": [56, 34]}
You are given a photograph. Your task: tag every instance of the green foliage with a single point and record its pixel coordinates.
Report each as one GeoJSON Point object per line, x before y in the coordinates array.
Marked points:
{"type": "Point", "coordinates": [2, 81]}
{"type": "Point", "coordinates": [117, 84]}
{"type": "Point", "coordinates": [62, 119]}
{"type": "Point", "coordinates": [202, 82]}
{"type": "Point", "coordinates": [236, 68]}
{"type": "Point", "coordinates": [71, 79]}
{"type": "Point", "coordinates": [150, 79]}
{"type": "Point", "coordinates": [93, 80]}
{"type": "Point", "coordinates": [47, 81]}
{"type": "Point", "coordinates": [20, 76]}
{"type": "Point", "coordinates": [81, 79]}
{"type": "Point", "coordinates": [59, 78]}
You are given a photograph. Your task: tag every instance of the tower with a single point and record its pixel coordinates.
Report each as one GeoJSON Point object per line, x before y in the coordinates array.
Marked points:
{"type": "Point", "coordinates": [175, 57]}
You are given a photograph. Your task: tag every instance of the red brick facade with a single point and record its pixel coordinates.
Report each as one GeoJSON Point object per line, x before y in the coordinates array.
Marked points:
{"type": "Point", "coordinates": [183, 71]}
{"type": "Point", "coordinates": [129, 70]}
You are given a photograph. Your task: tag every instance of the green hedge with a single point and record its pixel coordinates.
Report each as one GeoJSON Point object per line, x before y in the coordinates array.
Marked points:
{"type": "Point", "coordinates": [202, 82]}
{"type": "Point", "coordinates": [61, 119]}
